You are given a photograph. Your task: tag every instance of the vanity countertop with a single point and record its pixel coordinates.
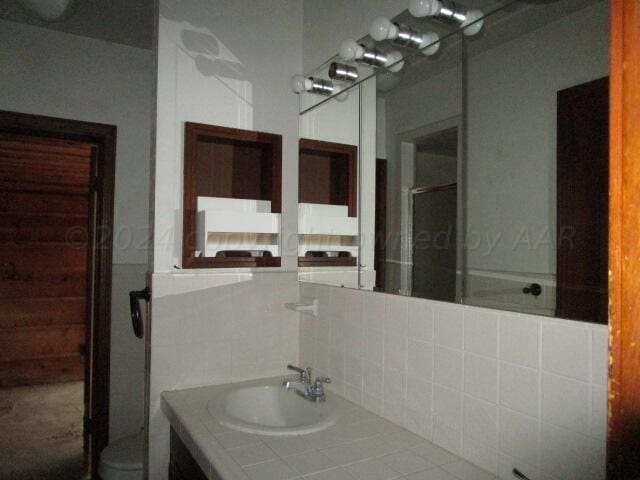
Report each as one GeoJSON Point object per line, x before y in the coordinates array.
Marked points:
{"type": "Point", "coordinates": [360, 445]}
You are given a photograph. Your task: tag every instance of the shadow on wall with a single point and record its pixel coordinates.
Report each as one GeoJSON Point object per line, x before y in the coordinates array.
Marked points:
{"type": "Point", "coordinates": [204, 48]}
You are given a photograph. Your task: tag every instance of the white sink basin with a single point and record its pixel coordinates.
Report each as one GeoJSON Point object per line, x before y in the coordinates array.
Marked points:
{"type": "Point", "coordinates": [271, 410]}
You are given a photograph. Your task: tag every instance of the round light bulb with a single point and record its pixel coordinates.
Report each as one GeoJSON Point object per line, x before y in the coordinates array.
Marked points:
{"type": "Point", "coordinates": [382, 29]}
{"type": "Point", "coordinates": [350, 50]}
{"type": "Point", "coordinates": [430, 43]}
{"type": "Point", "coordinates": [394, 61]}
{"type": "Point", "coordinates": [299, 83]}
{"type": "Point", "coordinates": [424, 8]}
{"type": "Point", "coordinates": [475, 22]}
{"type": "Point", "coordinates": [338, 94]}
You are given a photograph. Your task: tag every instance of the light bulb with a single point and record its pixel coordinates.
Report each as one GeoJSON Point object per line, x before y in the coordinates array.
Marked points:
{"type": "Point", "coordinates": [430, 43]}
{"type": "Point", "coordinates": [338, 94]}
{"type": "Point", "coordinates": [299, 83]}
{"type": "Point", "coordinates": [383, 29]}
{"type": "Point", "coordinates": [473, 28]}
{"type": "Point", "coordinates": [394, 61]}
{"type": "Point", "coordinates": [350, 50]}
{"type": "Point", "coordinates": [424, 8]}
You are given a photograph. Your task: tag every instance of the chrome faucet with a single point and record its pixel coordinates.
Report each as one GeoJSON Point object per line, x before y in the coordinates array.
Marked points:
{"type": "Point", "coordinates": [305, 387]}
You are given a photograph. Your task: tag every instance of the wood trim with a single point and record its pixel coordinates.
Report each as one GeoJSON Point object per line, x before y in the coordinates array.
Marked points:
{"type": "Point", "coordinates": [327, 261]}
{"type": "Point", "coordinates": [350, 152]}
{"type": "Point", "coordinates": [623, 438]}
{"type": "Point", "coordinates": [194, 131]}
{"type": "Point", "coordinates": [99, 267]}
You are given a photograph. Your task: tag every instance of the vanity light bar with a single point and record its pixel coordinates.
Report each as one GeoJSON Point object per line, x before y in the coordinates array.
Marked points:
{"type": "Point", "coordinates": [450, 12]}
{"type": "Point", "coordinates": [351, 50]}
{"type": "Point", "coordinates": [300, 84]}
{"type": "Point", "coordinates": [384, 29]}
{"type": "Point", "coordinates": [342, 72]}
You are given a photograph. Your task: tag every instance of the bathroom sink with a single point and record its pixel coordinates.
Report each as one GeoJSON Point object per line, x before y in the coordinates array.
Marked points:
{"type": "Point", "coordinates": [271, 410]}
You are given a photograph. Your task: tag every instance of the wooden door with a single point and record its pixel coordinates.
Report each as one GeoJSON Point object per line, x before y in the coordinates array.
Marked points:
{"type": "Point", "coordinates": [380, 252]}
{"type": "Point", "coordinates": [582, 199]}
{"type": "Point", "coordinates": [43, 253]}
{"type": "Point", "coordinates": [623, 437]}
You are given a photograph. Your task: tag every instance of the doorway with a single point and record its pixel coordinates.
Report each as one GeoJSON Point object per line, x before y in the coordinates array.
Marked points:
{"type": "Point", "coordinates": [434, 216]}
{"type": "Point", "coordinates": [56, 209]}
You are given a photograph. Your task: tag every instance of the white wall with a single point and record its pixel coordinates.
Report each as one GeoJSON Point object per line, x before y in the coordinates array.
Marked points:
{"type": "Point", "coordinates": [512, 136]}
{"type": "Point", "coordinates": [502, 390]}
{"type": "Point", "coordinates": [329, 22]}
{"type": "Point", "coordinates": [226, 63]}
{"type": "Point", "coordinates": [68, 76]}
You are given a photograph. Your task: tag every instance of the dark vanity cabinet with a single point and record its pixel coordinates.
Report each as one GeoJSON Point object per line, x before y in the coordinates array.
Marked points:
{"type": "Point", "coordinates": [182, 465]}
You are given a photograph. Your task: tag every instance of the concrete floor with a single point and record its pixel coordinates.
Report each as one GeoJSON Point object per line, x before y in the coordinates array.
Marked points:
{"type": "Point", "coordinates": [41, 432]}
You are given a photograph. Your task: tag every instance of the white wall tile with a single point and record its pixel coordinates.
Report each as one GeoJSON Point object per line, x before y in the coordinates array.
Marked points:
{"type": "Point", "coordinates": [414, 378]}
{"type": "Point", "coordinates": [449, 367]}
{"type": "Point", "coordinates": [480, 421]}
{"type": "Point", "coordinates": [373, 311]}
{"type": "Point", "coordinates": [353, 371]}
{"type": "Point", "coordinates": [599, 412]}
{"type": "Point", "coordinates": [421, 323]}
{"type": "Point", "coordinates": [395, 351]}
{"type": "Point", "coordinates": [447, 406]}
{"type": "Point", "coordinates": [518, 436]}
{"type": "Point", "coordinates": [449, 325]}
{"type": "Point", "coordinates": [420, 360]}
{"type": "Point", "coordinates": [394, 386]}
{"type": "Point", "coordinates": [565, 349]}
{"type": "Point", "coordinates": [520, 389]}
{"type": "Point", "coordinates": [520, 339]}
{"type": "Point", "coordinates": [419, 395]}
{"type": "Point", "coordinates": [481, 331]}
{"type": "Point", "coordinates": [372, 379]}
{"type": "Point", "coordinates": [374, 347]}
{"type": "Point", "coordinates": [447, 437]}
{"type": "Point", "coordinates": [396, 315]}
{"type": "Point", "coordinates": [600, 354]}
{"type": "Point", "coordinates": [566, 454]}
{"type": "Point", "coordinates": [566, 403]}
{"type": "Point", "coordinates": [481, 377]}
{"type": "Point", "coordinates": [479, 454]}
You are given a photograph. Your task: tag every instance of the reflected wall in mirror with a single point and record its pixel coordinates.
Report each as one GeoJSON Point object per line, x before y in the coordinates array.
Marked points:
{"type": "Point", "coordinates": [496, 154]}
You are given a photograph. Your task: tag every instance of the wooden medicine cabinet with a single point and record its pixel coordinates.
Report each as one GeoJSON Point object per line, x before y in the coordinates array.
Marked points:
{"type": "Point", "coordinates": [327, 209]}
{"type": "Point", "coordinates": [232, 198]}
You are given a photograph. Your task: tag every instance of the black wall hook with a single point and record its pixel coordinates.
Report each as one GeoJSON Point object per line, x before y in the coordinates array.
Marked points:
{"type": "Point", "coordinates": [136, 315]}
{"type": "Point", "coordinates": [534, 289]}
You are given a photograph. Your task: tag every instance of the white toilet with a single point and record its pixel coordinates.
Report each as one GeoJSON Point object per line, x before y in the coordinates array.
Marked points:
{"type": "Point", "coordinates": [122, 459]}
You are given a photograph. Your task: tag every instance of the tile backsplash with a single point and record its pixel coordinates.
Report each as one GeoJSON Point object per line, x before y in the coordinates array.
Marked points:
{"type": "Point", "coordinates": [210, 329]}
{"type": "Point", "coordinates": [503, 390]}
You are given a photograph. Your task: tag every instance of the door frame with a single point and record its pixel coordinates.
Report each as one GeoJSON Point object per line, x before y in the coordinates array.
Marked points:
{"type": "Point", "coordinates": [623, 428]}
{"type": "Point", "coordinates": [406, 152]}
{"type": "Point", "coordinates": [99, 265]}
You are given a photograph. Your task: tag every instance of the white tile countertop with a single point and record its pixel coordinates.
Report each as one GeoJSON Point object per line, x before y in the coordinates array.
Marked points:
{"type": "Point", "coordinates": [359, 446]}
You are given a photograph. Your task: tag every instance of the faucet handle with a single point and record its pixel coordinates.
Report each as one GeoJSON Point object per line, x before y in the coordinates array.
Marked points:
{"type": "Point", "coordinates": [321, 380]}
{"type": "Point", "coordinates": [305, 375]}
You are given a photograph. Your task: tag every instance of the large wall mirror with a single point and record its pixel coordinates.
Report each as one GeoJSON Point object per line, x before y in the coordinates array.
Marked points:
{"type": "Point", "coordinates": [483, 174]}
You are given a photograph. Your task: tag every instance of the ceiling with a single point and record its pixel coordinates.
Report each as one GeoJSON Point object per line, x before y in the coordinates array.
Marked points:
{"type": "Point", "coordinates": [129, 22]}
